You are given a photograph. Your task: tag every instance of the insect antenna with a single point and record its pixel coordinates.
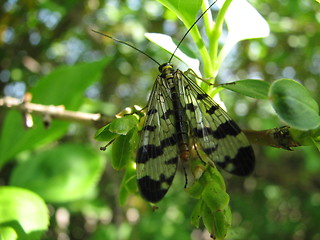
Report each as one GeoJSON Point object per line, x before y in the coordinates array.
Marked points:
{"type": "Point", "coordinates": [125, 43]}
{"type": "Point", "coordinates": [184, 36]}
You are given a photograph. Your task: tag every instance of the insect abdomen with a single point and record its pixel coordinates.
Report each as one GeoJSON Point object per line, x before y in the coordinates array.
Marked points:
{"type": "Point", "coordinates": [180, 120]}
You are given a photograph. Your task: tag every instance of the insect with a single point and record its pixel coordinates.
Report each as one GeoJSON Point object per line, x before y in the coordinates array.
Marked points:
{"type": "Point", "coordinates": [180, 115]}
{"type": "Point", "coordinates": [180, 112]}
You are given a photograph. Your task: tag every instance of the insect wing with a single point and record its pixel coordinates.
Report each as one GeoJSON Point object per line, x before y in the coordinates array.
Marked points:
{"type": "Point", "coordinates": [157, 155]}
{"type": "Point", "coordinates": [218, 135]}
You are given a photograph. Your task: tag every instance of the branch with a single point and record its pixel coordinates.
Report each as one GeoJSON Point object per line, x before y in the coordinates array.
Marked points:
{"type": "Point", "coordinates": [276, 137]}
{"type": "Point", "coordinates": [49, 112]}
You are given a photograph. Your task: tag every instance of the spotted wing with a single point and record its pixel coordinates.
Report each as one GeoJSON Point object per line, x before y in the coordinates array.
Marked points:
{"type": "Point", "coordinates": [157, 155]}
{"type": "Point", "coordinates": [218, 135]}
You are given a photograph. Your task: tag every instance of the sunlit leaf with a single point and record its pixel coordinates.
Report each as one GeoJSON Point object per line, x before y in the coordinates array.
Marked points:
{"type": "Point", "coordinates": [244, 22]}
{"type": "Point", "coordinates": [186, 10]}
{"type": "Point", "coordinates": [22, 213]}
{"type": "Point", "coordinates": [169, 45]}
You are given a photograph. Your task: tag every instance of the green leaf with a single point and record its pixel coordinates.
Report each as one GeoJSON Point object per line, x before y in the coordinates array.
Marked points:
{"type": "Point", "coordinates": [250, 87]}
{"type": "Point", "coordinates": [128, 185]}
{"type": "Point", "coordinates": [304, 138]}
{"type": "Point", "coordinates": [196, 214]}
{"type": "Point", "coordinates": [207, 217]}
{"type": "Point", "coordinates": [213, 176]}
{"type": "Point", "coordinates": [22, 213]}
{"type": "Point", "coordinates": [244, 22]}
{"type": "Point", "coordinates": [167, 43]}
{"type": "Point", "coordinates": [64, 86]}
{"type": "Point", "coordinates": [222, 222]}
{"type": "Point", "coordinates": [62, 174]}
{"type": "Point", "coordinates": [8, 233]}
{"type": "Point", "coordinates": [195, 190]}
{"type": "Point", "coordinates": [122, 150]}
{"type": "Point", "coordinates": [217, 223]}
{"type": "Point", "coordinates": [123, 125]}
{"type": "Point", "coordinates": [105, 135]}
{"type": "Point", "coordinates": [186, 10]}
{"type": "Point", "coordinates": [198, 169]}
{"type": "Point", "coordinates": [294, 104]}
{"type": "Point", "coordinates": [215, 198]}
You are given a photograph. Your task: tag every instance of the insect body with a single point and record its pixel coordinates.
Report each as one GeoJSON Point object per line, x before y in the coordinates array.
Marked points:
{"type": "Point", "coordinates": [180, 114]}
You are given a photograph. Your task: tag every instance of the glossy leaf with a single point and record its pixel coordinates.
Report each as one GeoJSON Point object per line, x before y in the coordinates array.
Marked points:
{"type": "Point", "coordinates": [294, 104]}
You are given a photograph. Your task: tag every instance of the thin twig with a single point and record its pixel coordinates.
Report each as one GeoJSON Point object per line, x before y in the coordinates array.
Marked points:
{"type": "Point", "coordinates": [275, 137]}
{"type": "Point", "coordinates": [54, 112]}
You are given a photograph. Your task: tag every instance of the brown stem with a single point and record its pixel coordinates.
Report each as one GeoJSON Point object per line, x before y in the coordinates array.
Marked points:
{"type": "Point", "coordinates": [276, 137]}
{"type": "Point", "coordinates": [54, 112]}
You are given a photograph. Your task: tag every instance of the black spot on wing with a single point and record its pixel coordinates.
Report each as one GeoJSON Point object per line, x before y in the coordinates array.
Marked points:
{"type": "Point", "coordinates": [152, 111]}
{"type": "Point", "coordinates": [212, 109]}
{"type": "Point", "coordinates": [146, 152]}
{"type": "Point", "coordinates": [210, 150]}
{"type": "Point", "coordinates": [170, 141]}
{"type": "Point", "coordinates": [224, 129]}
{"type": "Point", "coordinates": [202, 132]}
{"type": "Point", "coordinates": [190, 107]}
{"type": "Point", "coordinates": [202, 96]}
{"type": "Point", "coordinates": [172, 161]}
{"type": "Point", "coordinates": [149, 128]}
{"type": "Point", "coordinates": [243, 163]}
{"type": "Point", "coordinates": [153, 190]}
{"type": "Point", "coordinates": [227, 128]}
{"type": "Point", "coordinates": [167, 114]}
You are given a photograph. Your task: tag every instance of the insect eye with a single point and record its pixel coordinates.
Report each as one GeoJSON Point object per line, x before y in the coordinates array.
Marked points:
{"type": "Point", "coordinates": [162, 66]}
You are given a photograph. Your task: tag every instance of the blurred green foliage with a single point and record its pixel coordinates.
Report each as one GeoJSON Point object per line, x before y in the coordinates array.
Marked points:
{"type": "Point", "coordinates": [48, 48]}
